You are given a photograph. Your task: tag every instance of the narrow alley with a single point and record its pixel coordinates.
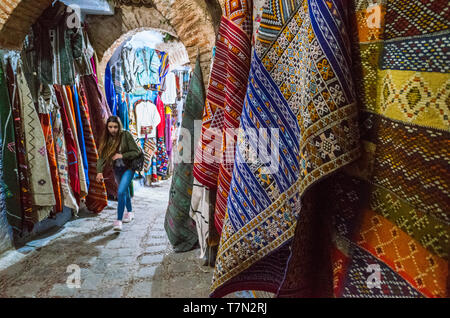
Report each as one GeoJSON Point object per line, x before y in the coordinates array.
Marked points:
{"type": "Point", "coordinates": [253, 149]}
{"type": "Point", "coordinates": [137, 262]}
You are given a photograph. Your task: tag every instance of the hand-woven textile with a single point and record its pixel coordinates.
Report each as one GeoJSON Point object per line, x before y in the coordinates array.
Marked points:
{"type": "Point", "coordinates": [388, 212]}
{"type": "Point", "coordinates": [302, 89]}
{"type": "Point", "coordinates": [11, 185]}
{"type": "Point", "coordinates": [180, 227]}
{"type": "Point", "coordinates": [23, 168]}
{"type": "Point", "coordinates": [214, 160]}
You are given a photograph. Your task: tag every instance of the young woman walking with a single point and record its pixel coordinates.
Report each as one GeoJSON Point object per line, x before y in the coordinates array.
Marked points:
{"type": "Point", "coordinates": [117, 147]}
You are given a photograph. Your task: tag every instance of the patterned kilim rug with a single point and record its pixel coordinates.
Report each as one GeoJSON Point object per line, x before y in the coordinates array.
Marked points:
{"type": "Point", "coordinates": [214, 158]}
{"type": "Point", "coordinates": [393, 227]}
{"type": "Point", "coordinates": [300, 87]}
{"type": "Point", "coordinates": [388, 213]}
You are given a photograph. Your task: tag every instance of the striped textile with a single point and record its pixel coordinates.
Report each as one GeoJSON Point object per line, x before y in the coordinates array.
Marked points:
{"type": "Point", "coordinates": [179, 225]}
{"type": "Point", "coordinates": [96, 199]}
{"type": "Point", "coordinates": [62, 159]}
{"type": "Point", "coordinates": [70, 111]}
{"type": "Point", "coordinates": [214, 160]}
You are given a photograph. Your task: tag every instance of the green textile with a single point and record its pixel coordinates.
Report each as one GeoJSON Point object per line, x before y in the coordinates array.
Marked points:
{"type": "Point", "coordinates": [10, 174]}
{"type": "Point", "coordinates": [180, 227]}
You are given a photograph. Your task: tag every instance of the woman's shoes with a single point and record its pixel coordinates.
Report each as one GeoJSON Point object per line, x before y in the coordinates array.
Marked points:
{"type": "Point", "coordinates": [128, 217]}
{"type": "Point", "coordinates": [117, 225]}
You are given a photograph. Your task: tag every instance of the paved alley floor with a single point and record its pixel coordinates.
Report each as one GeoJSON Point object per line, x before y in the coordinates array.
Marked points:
{"type": "Point", "coordinates": [89, 256]}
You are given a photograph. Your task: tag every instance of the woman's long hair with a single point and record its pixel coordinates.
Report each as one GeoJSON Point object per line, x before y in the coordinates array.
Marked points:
{"type": "Point", "coordinates": [109, 144]}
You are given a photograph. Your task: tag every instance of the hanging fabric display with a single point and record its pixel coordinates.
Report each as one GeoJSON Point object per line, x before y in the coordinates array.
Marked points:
{"type": "Point", "coordinates": [72, 158]}
{"type": "Point", "coordinates": [110, 91]}
{"type": "Point", "coordinates": [24, 181]}
{"type": "Point", "coordinates": [162, 160]}
{"type": "Point", "coordinates": [80, 131]}
{"type": "Point", "coordinates": [42, 194]}
{"type": "Point", "coordinates": [163, 69]}
{"type": "Point", "coordinates": [96, 199]}
{"type": "Point", "coordinates": [62, 157]}
{"type": "Point", "coordinates": [169, 95]}
{"type": "Point", "coordinates": [99, 114]}
{"type": "Point", "coordinates": [313, 116]}
{"type": "Point", "coordinates": [180, 227]}
{"type": "Point", "coordinates": [67, 96]}
{"type": "Point", "coordinates": [11, 184]}
{"type": "Point", "coordinates": [46, 107]}
{"type": "Point", "coordinates": [392, 220]}
{"type": "Point", "coordinates": [6, 237]}
{"type": "Point", "coordinates": [214, 158]}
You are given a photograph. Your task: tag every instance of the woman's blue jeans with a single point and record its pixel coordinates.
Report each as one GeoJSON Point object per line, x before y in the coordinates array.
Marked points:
{"type": "Point", "coordinates": [123, 177]}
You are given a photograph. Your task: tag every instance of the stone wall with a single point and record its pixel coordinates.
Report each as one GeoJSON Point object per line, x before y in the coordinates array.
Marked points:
{"type": "Point", "coordinates": [193, 22]}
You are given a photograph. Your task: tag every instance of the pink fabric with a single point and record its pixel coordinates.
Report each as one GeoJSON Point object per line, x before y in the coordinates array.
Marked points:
{"type": "Point", "coordinates": [162, 125]}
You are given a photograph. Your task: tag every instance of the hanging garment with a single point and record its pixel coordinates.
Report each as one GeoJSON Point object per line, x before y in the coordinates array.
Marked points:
{"type": "Point", "coordinates": [24, 181]}
{"type": "Point", "coordinates": [169, 95]}
{"type": "Point", "coordinates": [110, 91]}
{"type": "Point", "coordinates": [309, 109]}
{"type": "Point", "coordinates": [41, 186]}
{"type": "Point", "coordinates": [99, 114]}
{"type": "Point", "coordinates": [11, 186]}
{"type": "Point", "coordinates": [154, 170]}
{"type": "Point", "coordinates": [161, 111]}
{"type": "Point", "coordinates": [72, 152]}
{"type": "Point", "coordinates": [70, 110]}
{"type": "Point", "coordinates": [147, 119]}
{"type": "Point", "coordinates": [214, 159]}
{"type": "Point", "coordinates": [180, 227]}
{"type": "Point", "coordinates": [96, 199]}
{"type": "Point", "coordinates": [30, 65]}
{"type": "Point", "coordinates": [62, 157]}
{"type": "Point", "coordinates": [47, 104]}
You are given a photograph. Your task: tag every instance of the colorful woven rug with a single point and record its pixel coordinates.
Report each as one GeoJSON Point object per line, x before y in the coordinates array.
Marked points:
{"type": "Point", "coordinates": [72, 158]}
{"type": "Point", "coordinates": [390, 209]}
{"type": "Point", "coordinates": [214, 159]}
{"type": "Point", "coordinates": [404, 219]}
{"type": "Point", "coordinates": [96, 199]}
{"type": "Point", "coordinates": [180, 227]}
{"type": "Point", "coordinates": [301, 89]}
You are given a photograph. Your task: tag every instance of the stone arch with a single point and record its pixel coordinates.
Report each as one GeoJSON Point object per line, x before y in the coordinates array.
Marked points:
{"type": "Point", "coordinates": [192, 22]}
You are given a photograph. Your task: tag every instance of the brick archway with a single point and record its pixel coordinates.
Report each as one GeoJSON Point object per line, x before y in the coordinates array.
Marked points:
{"type": "Point", "coordinates": [193, 22]}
